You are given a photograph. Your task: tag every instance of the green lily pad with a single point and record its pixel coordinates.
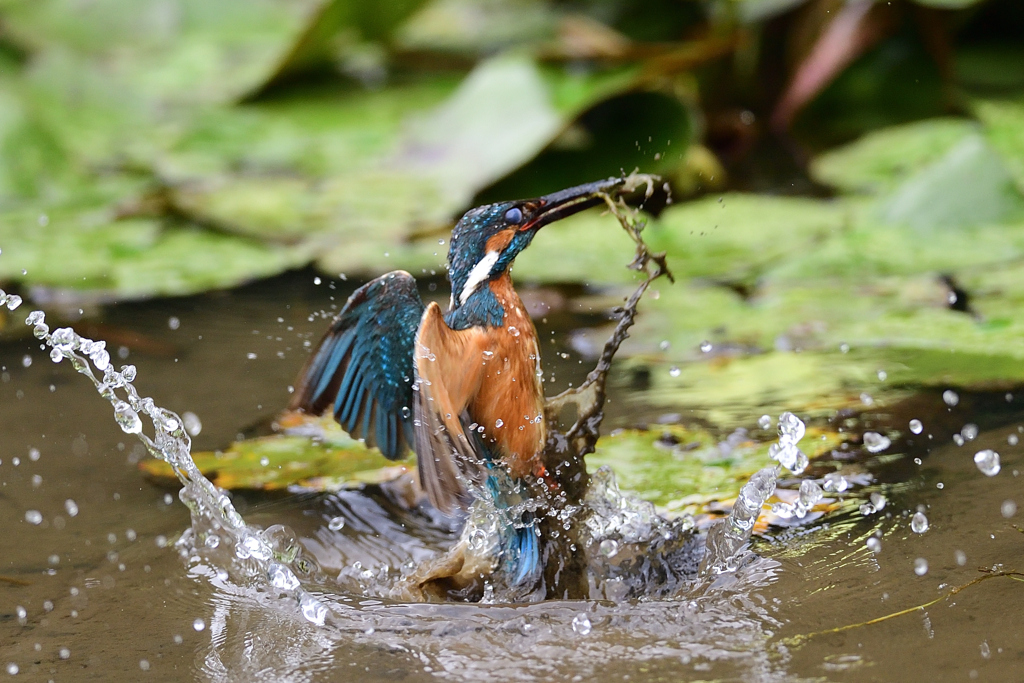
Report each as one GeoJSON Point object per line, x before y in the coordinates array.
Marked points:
{"type": "Point", "coordinates": [274, 463]}
{"type": "Point", "coordinates": [1004, 129]}
{"type": "Point", "coordinates": [879, 161]}
{"type": "Point", "coordinates": [137, 258]}
{"type": "Point", "coordinates": [737, 236]}
{"type": "Point", "coordinates": [181, 51]}
{"type": "Point", "coordinates": [968, 186]}
{"type": "Point", "coordinates": [477, 27]}
{"type": "Point", "coordinates": [675, 467]}
{"type": "Point", "coordinates": [680, 469]}
{"type": "Point", "coordinates": [336, 25]}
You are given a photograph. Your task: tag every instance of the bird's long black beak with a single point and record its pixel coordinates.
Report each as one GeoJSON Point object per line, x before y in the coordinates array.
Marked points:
{"type": "Point", "coordinates": [558, 205]}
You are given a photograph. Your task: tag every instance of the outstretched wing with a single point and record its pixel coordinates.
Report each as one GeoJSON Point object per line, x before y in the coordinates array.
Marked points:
{"type": "Point", "coordinates": [363, 367]}
{"type": "Point", "coordinates": [449, 367]}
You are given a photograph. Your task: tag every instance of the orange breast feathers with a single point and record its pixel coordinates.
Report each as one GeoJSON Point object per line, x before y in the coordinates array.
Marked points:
{"type": "Point", "coordinates": [509, 403]}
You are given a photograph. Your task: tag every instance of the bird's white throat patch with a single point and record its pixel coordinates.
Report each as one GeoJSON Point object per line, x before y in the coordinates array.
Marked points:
{"type": "Point", "coordinates": [480, 274]}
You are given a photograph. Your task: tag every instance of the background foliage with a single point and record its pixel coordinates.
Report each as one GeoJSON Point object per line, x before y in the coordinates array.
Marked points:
{"type": "Point", "coordinates": [847, 177]}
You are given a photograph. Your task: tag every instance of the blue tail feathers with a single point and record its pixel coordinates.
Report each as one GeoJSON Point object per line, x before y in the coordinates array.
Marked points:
{"type": "Point", "coordinates": [522, 555]}
{"type": "Point", "coordinates": [520, 541]}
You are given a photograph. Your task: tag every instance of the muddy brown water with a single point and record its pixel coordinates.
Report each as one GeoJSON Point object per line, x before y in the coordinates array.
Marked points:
{"type": "Point", "coordinates": [100, 595]}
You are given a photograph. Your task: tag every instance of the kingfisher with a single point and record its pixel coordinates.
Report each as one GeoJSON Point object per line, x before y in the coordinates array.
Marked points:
{"type": "Point", "coordinates": [462, 388]}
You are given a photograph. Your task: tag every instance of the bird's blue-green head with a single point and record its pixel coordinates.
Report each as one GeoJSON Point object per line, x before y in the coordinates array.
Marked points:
{"type": "Point", "coordinates": [487, 239]}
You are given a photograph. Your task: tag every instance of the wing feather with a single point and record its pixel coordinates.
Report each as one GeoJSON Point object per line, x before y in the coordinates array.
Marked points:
{"type": "Point", "coordinates": [363, 367]}
{"type": "Point", "coordinates": [448, 365]}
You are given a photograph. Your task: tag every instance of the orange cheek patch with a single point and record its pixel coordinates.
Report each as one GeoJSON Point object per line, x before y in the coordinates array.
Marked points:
{"type": "Point", "coordinates": [500, 240]}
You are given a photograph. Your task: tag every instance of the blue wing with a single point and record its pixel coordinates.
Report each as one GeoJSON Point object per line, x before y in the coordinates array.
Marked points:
{"type": "Point", "coordinates": [363, 367]}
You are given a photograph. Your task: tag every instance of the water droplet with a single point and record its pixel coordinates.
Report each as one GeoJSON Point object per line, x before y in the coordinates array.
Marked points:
{"type": "Point", "coordinates": [64, 653]}
{"type": "Point", "coordinates": [1008, 509]}
{"type": "Point", "coordinates": [674, 371]}
{"type": "Point", "coordinates": [581, 624]}
{"type": "Point", "coordinates": [193, 425]}
{"type": "Point", "coordinates": [874, 545]}
{"type": "Point", "coordinates": [950, 397]}
{"type": "Point", "coordinates": [440, 241]}
{"type": "Point", "coordinates": [609, 547]}
{"type": "Point", "coordinates": [144, 664]}
{"type": "Point", "coordinates": [867, 509]}
{"type": "Point", "coordinates": [988, 462]}
{"type": "Point", "coordinates": [282, 578]}
{"type": "Point", "coordinates": [12, 668]}
{"type": "Point", "coordinates": [916, 427]}
{"type": "Point", "coordinates": [264, 461]}
{"type": "Point", "coordinates": [835, 482]}
{"type": "Point", "coordinates": [789, 456]}
{"type": "Point", "coordinates": [128, 373]}
{"type": "Point", "coordinates": [920, 566]}
{"type": "Point", "coordinates": [313, 610]}
{"type": "Point", "coordinates": [127, 418]}
{"type": "Point", "coordinates": [26, 361]}
{"type": "Point", "coordinates": [199, 624]}
{"type": "Point", "coordinates": [810, 494]}
{"type": "Point", "coordinates": [961, 558]}
{"type": "Point", "coordinates": [969, 432]}
{"type": "Point", "coordinates": [513, 331]}
{"type": "Point", "coordinates": [336, 523]}
{"type": "Point", "coordinates": [765, 422]}
{"type": "Point", "coordinates": [71, 507]}
{"type": "Point", "coordinates": [1012, 439]}
{"type": "Point", "coordinates": [882, 375]}
{"type": "Point", "coordinates": [919, 523]}
{"type": "Point", "coordinates": [958, 439]}
{"type": "Point", "coordinates": [875, 442]}
{"type": "Point", "coordinates": [984, 648]}
{"type": "Point", "coordinates": [791, 428]}
{"type": "Point", "coordinates": [878, 500]}
{"type": "Point", "coordinates": [705, 347]}
{"type": "Point", "coordinates": [251, 355]}
{"type": "Point", "coordinates": [498, 423]}
{"type": "Point", "coordinates": [173, 322]}
{"type": "Point", "coordinates": [664, 345]}
{"type": "Point", "coordinates": [844, 348]}
{"type": "Point", "coordinates": [33, 516]}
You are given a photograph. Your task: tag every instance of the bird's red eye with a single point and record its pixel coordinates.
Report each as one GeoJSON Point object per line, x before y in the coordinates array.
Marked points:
{"type": "Point", "coordinates": [514, 216]}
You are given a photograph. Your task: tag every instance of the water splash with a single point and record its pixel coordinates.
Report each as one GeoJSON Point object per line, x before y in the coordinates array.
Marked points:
{"type": "Point", "coordinates": [726, 541]}
{"type": "Point", "coordinates": [213, 514]}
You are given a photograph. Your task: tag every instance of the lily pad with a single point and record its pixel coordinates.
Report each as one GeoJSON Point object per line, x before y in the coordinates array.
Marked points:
{"type": "Point", "coordinates": [681, 469]}
{"type": "Point", "coordinates": [881, 160]}
{"type": "Point", "coordinates": [968, 186]}
{"type": "Point", "coordinates": [1004, 129]}
{"type": "Point", "coordinates": [275, 463]}
{"type": "Point", "coordinates": [127, 259]}
{"type": "Point", "coordinates": [178, 51]}
{"type": "Point", "coordinates": [678, 468]}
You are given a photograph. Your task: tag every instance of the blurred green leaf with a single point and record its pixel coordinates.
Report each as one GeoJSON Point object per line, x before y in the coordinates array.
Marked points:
{"type": "Point", "coordinates": [737, 236]}
{"type": "Point", "coordinates": [990, 66]}
{"type": "Point", "coordinates": [86, 249]}
{"type": "Point", "coordinates": [336, 28]}
{"type": "Point", "coordinates": [968, 186]}
{"type": "Point", "coordinates": [477, 27]}
{"type": "Point", "coordinates": [882, 159]}
{"type": "Point", "coordinates": [1004, 129]}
